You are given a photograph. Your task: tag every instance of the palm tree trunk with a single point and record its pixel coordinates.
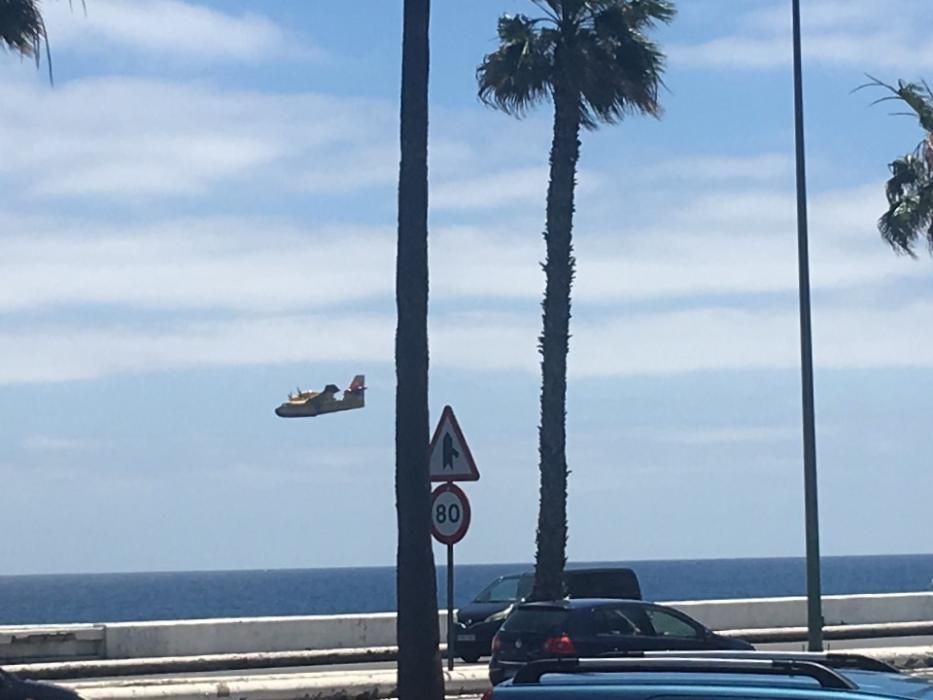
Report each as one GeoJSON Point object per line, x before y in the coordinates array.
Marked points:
{"type": "Point", "coordinates": [419, 662]}
{"type": "Point", "coordinates": [559, 269]}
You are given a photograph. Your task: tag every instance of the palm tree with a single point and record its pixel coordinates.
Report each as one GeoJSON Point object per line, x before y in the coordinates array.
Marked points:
{"type": "Point", "coordinates": [594, 61]}
{"type": "Point", "coordinates": [910, 189]}
{"type": "Point", "coordinates": [419, 662]}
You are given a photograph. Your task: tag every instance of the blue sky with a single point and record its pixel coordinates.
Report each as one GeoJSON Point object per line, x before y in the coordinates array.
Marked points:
{"type": "Point", "coordinates": [199, 216]}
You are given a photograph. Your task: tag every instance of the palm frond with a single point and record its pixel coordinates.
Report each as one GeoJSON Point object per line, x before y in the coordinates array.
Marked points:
{"type": "Point", "coordinates": [551, 8]}
{"type": "Point", "coordinates": [917, 96]}
{"type": "Point", "coordinates": [909, 190]}
{"type": "Point", "coordinates": [598, 49]}
{"type": "Point", "coordinates": [518, 74]}
{"type": "Point", "coordinates": [22, 29]}
{"type": "Point", "coordinates": [619, 70]}
{"type": "Point", "coordinates": [910, 204]}
{"type": "Point", "coordinates": [647, 14]}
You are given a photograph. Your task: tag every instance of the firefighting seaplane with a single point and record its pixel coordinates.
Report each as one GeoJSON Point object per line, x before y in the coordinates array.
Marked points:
{"type": "Point", "coordinates": [305, 404]}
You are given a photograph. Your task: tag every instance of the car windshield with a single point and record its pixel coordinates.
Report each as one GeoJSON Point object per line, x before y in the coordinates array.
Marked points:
{"type": "Point", "coordinates": [502, 590]}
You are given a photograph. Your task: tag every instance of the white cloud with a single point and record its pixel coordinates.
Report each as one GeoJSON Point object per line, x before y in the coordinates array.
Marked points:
{"type": "Point", "coordinates": [716, 436]}
{"type": "Point", "coordinates": [733, 52]}
{"type": "Point", "coordinates": [139, 140]}
{"type": "Point", "coordinates": [49, 354]}
{"type": "Point", "coordinates": [294, 292]}
{"type": "Point", "coordinates": [723, 339]}
{"type": "Point", "coordinates": [201, 263]}
{"type": "Point", "coordinates": [170, 28]}
{"type": "Point", "coordinates": [864, 34]}
{"type": "Point", "coordinates": [647, 343]}
{"type": "Point", "coordinates": [492, 191]}
{"type": "Point", "coordinates": [58, 444]}
{"type": "Point", "coordinates": [146, 138]}
{"type": "Point", "coordinates": [508, 188]}
{"type": "Point", "coordinates": [350, 168]}
{"type": "Point", "coordinates": [718, 243]}
{"type": "Point", "coordinates": [758, 168]}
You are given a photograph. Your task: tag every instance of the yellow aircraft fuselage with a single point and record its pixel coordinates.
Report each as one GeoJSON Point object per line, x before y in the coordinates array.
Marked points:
{"type": "Point", "coordinates": [306, 404]}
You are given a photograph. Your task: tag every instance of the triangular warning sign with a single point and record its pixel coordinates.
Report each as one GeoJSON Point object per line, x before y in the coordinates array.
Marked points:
{"type": "Point", "coordinates": [449, 455]}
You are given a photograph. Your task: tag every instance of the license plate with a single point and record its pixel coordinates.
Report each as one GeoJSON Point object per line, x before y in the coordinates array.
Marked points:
{"type": "Point", "coordinates": [467, 637]}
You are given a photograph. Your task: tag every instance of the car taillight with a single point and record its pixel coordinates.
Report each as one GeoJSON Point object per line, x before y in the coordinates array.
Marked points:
{"type": "Point", "coordinates": [560, 646]}
{"type": "Point", "coordinates": [496, 643]}
{"type": "Point", "coordinates": [488, 694]}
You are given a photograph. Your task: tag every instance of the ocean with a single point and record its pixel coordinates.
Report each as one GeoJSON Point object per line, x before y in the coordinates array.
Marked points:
{"type": "Point", "coordinates": [188, 595]}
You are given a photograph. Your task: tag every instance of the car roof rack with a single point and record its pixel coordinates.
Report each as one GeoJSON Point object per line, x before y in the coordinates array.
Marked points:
{"type": "Point", "coordinates": [837, 660]}
{"type": "Point", "coordinates": [827, 678]}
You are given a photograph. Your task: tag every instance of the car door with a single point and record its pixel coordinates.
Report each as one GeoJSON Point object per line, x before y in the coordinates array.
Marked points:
{"type": "Point", "coordinates": [605, 629]}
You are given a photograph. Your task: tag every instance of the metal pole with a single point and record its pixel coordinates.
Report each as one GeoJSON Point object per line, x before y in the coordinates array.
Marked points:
{"type": "Point", "coordinates": [814, 602]}
{"type": "Point", "coordinates": [450, 607]}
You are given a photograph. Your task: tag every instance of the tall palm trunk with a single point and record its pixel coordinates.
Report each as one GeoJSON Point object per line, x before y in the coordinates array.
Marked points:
{"type": "Point", "coordinates": [559, 269]}
{"type": "Point", "coordinates": [419, 663]}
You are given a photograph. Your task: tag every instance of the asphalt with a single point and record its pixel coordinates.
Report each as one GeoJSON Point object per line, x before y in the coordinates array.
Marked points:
{"type": "Point", "coordinates": [385, 665]}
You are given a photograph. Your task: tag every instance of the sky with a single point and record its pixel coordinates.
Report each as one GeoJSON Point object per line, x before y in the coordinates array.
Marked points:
{"type": "Point", "coordinates": [200, 216]}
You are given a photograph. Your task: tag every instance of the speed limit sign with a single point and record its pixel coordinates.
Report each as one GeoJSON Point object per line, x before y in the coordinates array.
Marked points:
{"type": "Point", "coordinates": [450, 514]}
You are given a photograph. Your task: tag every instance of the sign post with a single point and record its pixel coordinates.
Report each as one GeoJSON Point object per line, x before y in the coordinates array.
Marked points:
{"type": "Point", "coordinates": [450, 460]}
{"type": "Point", "coordinates": [451, 635]}
{"type": "Point", "coordinates": [450, 520]}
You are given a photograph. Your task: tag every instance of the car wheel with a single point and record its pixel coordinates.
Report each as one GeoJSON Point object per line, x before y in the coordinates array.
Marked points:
{"type": "Point", "coordinates": [470, 658]}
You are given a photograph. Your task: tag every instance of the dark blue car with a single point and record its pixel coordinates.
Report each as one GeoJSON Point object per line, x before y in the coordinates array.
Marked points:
{"type": "Point", "coordinates": [479, 620]}
{"type": "Point", "coordinates": [596, 627]}
{"type": "Point", "coordinates": [719, 676]}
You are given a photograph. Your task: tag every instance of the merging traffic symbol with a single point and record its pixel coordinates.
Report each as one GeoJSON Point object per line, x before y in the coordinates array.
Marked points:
{"type": "Point", "coordinates": [450, 452]}
{"type": "Point", "coordinates": [449, 455]}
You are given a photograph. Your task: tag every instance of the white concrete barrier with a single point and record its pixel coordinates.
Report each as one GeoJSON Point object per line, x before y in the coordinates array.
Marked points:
{"type": "Point", "coordinates": [51, 643]}
{"type": "Point", "coordinates": [134, 640]}
{"type": "Point", "coordinates": [759, 613]}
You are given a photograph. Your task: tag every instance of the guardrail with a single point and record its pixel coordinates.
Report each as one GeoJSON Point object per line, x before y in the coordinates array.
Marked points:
{"type": "Point", "coordinates": [835, 632]}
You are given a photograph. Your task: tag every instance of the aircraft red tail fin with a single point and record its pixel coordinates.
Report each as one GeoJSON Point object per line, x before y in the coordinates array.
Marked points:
{"type": "Point", "coordinates": [358, 384]}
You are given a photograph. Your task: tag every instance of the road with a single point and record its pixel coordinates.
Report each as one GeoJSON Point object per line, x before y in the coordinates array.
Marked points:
{"type": "Point", "coordinates": [841, 644]}
{"type": "Point", "coordinates": [384, 665]}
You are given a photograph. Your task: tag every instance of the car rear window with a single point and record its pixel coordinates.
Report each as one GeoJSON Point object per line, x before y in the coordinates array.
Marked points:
{"type": "Point", "coordinates": [602, 584]}
{"type": "Point", "coordinates": [533, 620]}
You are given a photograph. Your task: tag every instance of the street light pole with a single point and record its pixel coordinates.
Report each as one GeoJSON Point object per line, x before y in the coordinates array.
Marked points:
{"type": "Point", "coordinates": [814, 601]}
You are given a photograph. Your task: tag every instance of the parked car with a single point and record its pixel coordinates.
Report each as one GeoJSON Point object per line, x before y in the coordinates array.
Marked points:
{"type": "Point", "coordinates": [724, 677]}
{"type": "Point", "coordinates": [13, 687]}
{"type": "Point", "coordinates": [595, 627]}
{"type": "Point", "coordinates": [868, 674]}
{"type": "Point", "coordinates": [478, 621]}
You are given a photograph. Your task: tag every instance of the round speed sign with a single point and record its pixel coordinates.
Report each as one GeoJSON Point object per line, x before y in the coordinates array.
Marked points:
{"type": "Point", "coordinates": [450, 513]}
